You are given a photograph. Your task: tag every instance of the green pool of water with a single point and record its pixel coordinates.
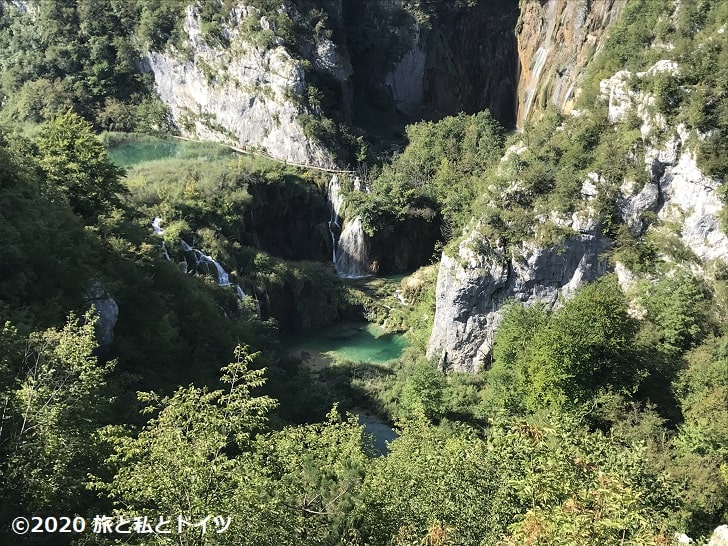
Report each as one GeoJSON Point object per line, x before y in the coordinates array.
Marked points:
{"type": "Point", "coordinates": [359, 342]}
{"type": "Point", "coordinates": [132, 152]}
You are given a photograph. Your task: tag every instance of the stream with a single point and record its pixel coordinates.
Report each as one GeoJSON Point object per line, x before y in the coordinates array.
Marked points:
{"type": "Point", "coordinates": [358, 342]}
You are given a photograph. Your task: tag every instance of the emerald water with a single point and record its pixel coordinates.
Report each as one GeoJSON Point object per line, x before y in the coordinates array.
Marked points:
{"type": "Point", "coordinates": [358, 342]}
{"type": "Point", "coordinates": [131, 151]}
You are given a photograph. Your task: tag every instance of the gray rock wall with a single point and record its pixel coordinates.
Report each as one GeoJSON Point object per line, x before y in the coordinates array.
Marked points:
{"type": "Point", "coordinates": [245, 94]}
{"type": "Point", "coordinates": [472, 288]}
{"type": "Point", "coordinates": [473, 285]}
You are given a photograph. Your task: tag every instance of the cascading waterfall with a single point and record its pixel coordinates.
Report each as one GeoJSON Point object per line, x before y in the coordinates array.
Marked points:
{"type": "Point", "coordinates": [349, 255]}
{"type": "Point", "coordinates": [223, 279]}
{"type": "Point", "coordinates": [352, 259]}
{"type": "Point", "coordinates": [166, 254]}
{"type": "Point", "coordinates": [157, 227]}
{"type": "Point", "coordinates": [335, 203]}
{"type": "Point", "coordinates": [538, 63]}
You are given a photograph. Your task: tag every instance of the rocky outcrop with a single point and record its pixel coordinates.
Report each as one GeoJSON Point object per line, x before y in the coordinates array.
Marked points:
{"type": "Point", "coordinates": [406, 80]}
{"type": "Point", "coordinates": [556, 41]}
{"type": "Point", "coordinates": [473, 286]}
{"type": "Point", "coordinates": [107, 312]}
{"type": "Point", "coordinates": [719, 537]}
{"type": "Point", "coordinates": [472, 61]}
{"type": "Point", "coordinates": [456, 57]}
{"type": "Point", "coordinates": [409, 245]}
{"type": "Point", "coordinates": [677, 192]}
{"type": "Point", "coordinates": [248, 93]}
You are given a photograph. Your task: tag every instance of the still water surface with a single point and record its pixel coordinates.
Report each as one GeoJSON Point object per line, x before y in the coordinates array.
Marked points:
{"type": "Point", "coordinates": [358, 342]}
{"type": "Point", "coordinates": [132, 152]}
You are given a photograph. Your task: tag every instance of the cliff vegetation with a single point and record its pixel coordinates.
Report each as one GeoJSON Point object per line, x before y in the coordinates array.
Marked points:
{"type": "Point", "coordinates": [566, 379]}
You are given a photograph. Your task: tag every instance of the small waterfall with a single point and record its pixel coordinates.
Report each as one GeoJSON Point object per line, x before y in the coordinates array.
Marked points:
{"type": "Point", "coordinates": [223, 279]}
{"type": "Point", "coordinates": [166, 254]}
{"type": "Point", "coordinates": [156, 225]}
{"type": "Point", "coordinates": [201, 258]}
{"type": "Point", "coordinates": [335, 203]}
{"type": "Point", "coordinates": [350, 256]}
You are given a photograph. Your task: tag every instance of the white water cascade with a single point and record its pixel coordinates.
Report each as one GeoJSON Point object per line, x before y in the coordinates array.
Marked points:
{"type": "Point", "coordinates": [201, 258]}
{"type": "Point", "coordinates": [539, 61]}
{"type": "Point", "coordinates": [350, 256]}
{"type": "Point", "coordinates": [335, 203]}
{"type": "Point", "coordinates": [223, 279]}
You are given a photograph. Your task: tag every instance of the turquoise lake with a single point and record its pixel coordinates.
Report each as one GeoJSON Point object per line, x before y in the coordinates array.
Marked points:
{"type": "Point", "coordinates": [133, 152]}
{"type": "Point", "coordinates": [358, 342]}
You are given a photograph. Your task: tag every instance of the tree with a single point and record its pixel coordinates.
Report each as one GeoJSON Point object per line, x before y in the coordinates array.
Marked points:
{"type": "Point", "coordinates": [77, 168]}
{"type": "Point", "coordinates": [578, 488]}
{"type": "Point", "coordinates": [431, 477]}
{"type": "Point", "coordinates": [512, 341]}
{"type": "Point", "coordinates": [677, 309]}
{"type": "Point", "coordinates": [586, 348]}
{"type": "Point", "coordinates": [194, 458]}
{"type": "Point", "coordinates": [50, 416]}
{"type": "Point", "coordinates": [423, 391]}
{"type": "Point", "coordinates": [46, 253]}
{"type": "Point", "coordinates": [314, 475]}
{"type": "Point", "coordinates": [702, 389]}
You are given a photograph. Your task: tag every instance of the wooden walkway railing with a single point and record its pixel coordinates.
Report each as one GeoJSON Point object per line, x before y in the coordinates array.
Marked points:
{"type": "Point", "coordinates": [267, 156]}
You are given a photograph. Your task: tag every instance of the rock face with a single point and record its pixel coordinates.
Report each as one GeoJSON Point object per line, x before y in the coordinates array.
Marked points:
{"type": "Point", "coordinates": [472, 61]}
{"type": "Point", "coordinates": [556, 40]}
{"type": "Point", "coordinates": [719, 537]}
{"type": "Point", "coordinates": [677, 191]}
{"type": "Point", "coordinates": [406, 80]}
{"type": "Point", "coordinates": [107, 312]}
{"type": "Point", "coordinates": [409, 245]}
{"type": "Point", "coordinates": [472, 287]}
{"type": "Point", "coordinates": [456, 58]}
{"type": "Point", "coordinates": [383, 56]}
{"type": "Point", "coordinates": [248, 94]}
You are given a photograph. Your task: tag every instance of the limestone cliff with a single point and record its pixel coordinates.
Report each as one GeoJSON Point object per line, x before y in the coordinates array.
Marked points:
{"type": "Point", "coordinates": [455, 57]}
{"type": "Point", "coordinates": [678, 192]}
{"type": "Point", "coordinates": [556, 41]}
{"type": "Point", "coordinates": [249, 92]}
{"type": "Point", "coordinates": [473, 285]}
{"type": "Point", "coordinates": [683, 204]}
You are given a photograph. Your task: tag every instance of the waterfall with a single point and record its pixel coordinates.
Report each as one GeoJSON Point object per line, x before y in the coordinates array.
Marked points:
{"type": "Point", "coordinates": [352, 259]}
{"type": "Point", "coordinates": [350, 256]}
{"type": "Point", "coordinates": [539, 61]}
{"type": "Point", "coordinates": [166, 254]}
{"type": "Point", "coordinates": [156, 226]}
{"type": "Point", "coordinates": [201, 258]}
{"type": "Point", "coordinates": [335, 203]}
{"type": "Point", "coordinates": [223, 279]}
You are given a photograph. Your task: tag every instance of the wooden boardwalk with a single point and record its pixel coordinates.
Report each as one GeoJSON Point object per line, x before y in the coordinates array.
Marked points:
{"type": "Point", "coordinates": [258, 153]}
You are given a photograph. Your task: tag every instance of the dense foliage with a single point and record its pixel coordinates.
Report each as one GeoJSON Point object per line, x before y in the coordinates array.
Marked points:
{"type": "Point", "coordinates": [600, 421]}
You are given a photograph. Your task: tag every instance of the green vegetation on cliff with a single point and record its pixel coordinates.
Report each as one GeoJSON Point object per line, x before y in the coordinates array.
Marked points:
{"type": "Point", "coordinates": [600, 422]}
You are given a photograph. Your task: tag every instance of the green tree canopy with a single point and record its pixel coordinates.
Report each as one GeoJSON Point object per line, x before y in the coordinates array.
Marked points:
{"type": "Point", "coordinates": [584, 348]}
{"type": "Point", "coordinates": [77, 168]}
